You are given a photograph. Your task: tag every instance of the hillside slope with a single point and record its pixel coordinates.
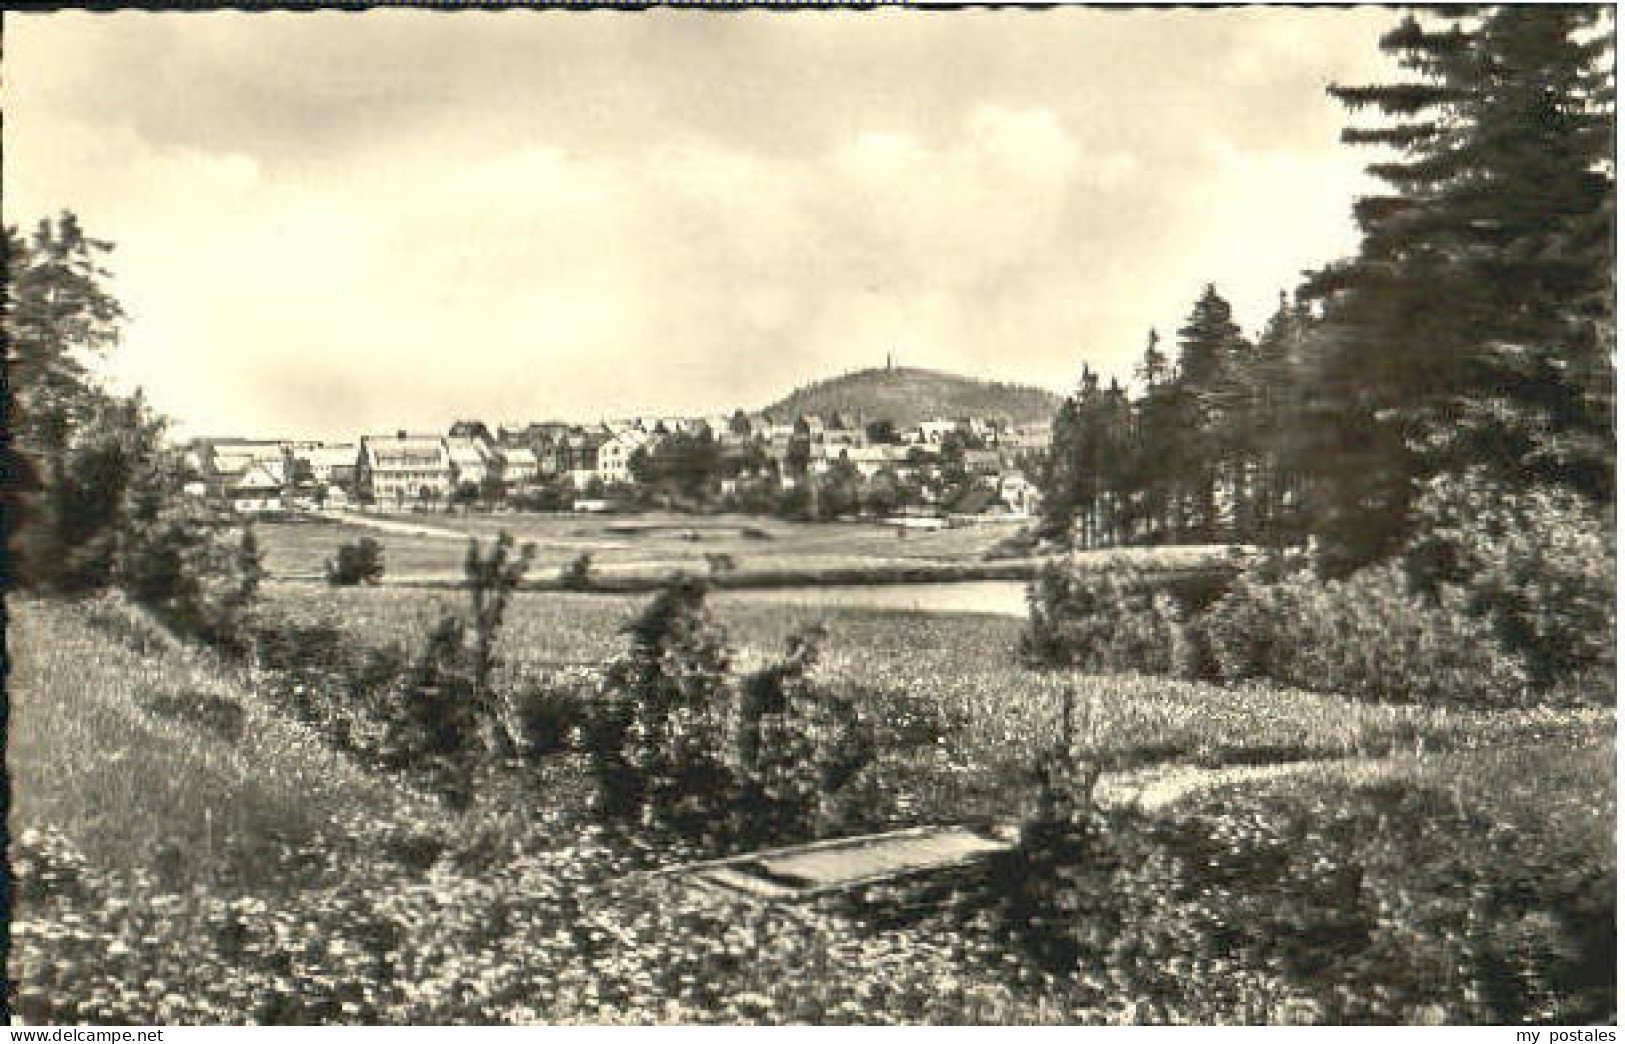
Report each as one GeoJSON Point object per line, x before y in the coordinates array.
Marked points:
{"type": "Point", "coordinates": [908, 396]}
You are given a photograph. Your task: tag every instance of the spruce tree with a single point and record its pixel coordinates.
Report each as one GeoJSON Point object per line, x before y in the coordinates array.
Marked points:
{"type": "Point", "coordinates": [1211, 347]}
{"type": "Point", "coordinates": [1474, 327]}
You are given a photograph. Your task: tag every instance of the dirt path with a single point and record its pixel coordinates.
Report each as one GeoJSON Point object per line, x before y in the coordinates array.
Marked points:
{"type": "Point", "coordinates": [1159, 787]}
{"type": "Point", "coordinates": [389, 526]}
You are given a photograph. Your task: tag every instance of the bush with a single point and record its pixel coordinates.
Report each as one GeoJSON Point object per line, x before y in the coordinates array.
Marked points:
{"type": "Point", "coordinates": [686, 747]}
{"type": "Point", "coordinates": [1109, 620]}
{"type": "Point", "coordinates": [1372, 635]}
{"type": "Point", "coordinates": [286, 646]}
{"type": "Point", "coordinates": [1364, 904]}
{"type": "Point", "coordinates": [1537, 565]}
{"type": "Point", "coordinates": [1367, 636]}
{"type": "Point", "coordinates": [797, 746]}
{"type": "Point", "coordinates": [664, 742]}
{"type": "Point", "coordinates": [552, 713]}
{"type": "Point", "coordinates": [198, 574]}
{"type": "Point", "coordinates": [360, 562]}
{"type": "Point", "coordinates": [433, 717]}
{"type": "Point", "coordinates": [577, 575]}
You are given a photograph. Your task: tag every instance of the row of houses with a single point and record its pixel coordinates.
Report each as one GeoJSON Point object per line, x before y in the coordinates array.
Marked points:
{"type": "Point", "coordinates": [400, 467]}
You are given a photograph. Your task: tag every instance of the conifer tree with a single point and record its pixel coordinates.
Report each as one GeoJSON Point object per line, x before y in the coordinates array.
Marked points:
{"type": "Point", "coordinates": [1210, 347]}
{"type": "Point", "coordinates": [1475, 324]}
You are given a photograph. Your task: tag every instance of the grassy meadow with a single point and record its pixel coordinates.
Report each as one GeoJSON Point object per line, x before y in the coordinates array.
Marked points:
{"type": "Point", "coordinates": [429, 548]}
{"type": "Point", "coordinates": [111, 742]}
{"type": "Point", "coordinates": [245, 872]}
{"type": "Point", "coordinates": [955, 678]}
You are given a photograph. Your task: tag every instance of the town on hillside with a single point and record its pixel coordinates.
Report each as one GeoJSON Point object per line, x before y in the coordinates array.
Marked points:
{"type": "Point", "coordinates": [965, 469]}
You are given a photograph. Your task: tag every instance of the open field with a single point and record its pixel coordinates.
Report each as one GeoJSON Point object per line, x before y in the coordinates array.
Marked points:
{"type": "Point", "coordinates": [615, 541]}
{"type": "Point", "coordinates": [526, 917]}
{"type": "Point", "coordinates": [954, 677]}
{"type": "Point", "coordinates": [633, 553]}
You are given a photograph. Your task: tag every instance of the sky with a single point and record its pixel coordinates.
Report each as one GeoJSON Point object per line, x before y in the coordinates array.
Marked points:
{"type": "Point", "coordinates": [330, 223]}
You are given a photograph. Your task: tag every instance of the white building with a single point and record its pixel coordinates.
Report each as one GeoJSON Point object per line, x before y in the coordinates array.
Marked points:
{"type": "Point", "coordinates": [470, 459]}
{"type": "Point", "coordinates": [615, 457]}
{"type": "Point", "coordinates": [1019, 493]}
{"type": "Point", "coordinates": [519, 464]}
{"type": "Point", "coordinates": [401, 467]}
{"type": "Point", "coordinates": [331, 464]}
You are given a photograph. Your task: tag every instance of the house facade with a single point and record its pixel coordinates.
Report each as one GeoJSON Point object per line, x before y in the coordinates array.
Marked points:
{"type": "Point", "coordinates": [471, 460]}
{"type": "Point", "coordinates": [615, 457]}
{"type": "Point", "coordinates": [401, 467]}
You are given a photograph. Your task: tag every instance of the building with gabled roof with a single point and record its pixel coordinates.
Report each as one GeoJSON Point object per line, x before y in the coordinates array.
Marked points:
{"type": "Point", "coordinates": [471, 460]}
{"type": "Point", "coordinates": [258, 487]}
{"type": "Point", "coordinates": [402, 467]}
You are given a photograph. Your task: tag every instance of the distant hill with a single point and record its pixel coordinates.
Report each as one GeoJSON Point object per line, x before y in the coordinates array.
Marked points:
{"type": "Point", "coordinates": [907, 396]}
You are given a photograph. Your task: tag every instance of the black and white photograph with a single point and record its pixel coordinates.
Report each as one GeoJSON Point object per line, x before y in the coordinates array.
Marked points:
{"type": "Point", "coordinates": [810, 515]}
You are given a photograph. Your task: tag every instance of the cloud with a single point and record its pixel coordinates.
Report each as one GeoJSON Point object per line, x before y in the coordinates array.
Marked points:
{"type": "Point", "coordinates": [333, 223]}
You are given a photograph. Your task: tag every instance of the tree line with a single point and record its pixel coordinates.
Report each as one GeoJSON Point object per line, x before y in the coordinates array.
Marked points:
{"type": "Point", "coordinates": [1472, 332]}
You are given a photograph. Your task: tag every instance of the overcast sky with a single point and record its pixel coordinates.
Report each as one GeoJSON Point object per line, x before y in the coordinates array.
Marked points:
{"type": "Point", "coordinates": [331, 222]}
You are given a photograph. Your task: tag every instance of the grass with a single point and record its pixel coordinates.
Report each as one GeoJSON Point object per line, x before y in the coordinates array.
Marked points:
{"type": "Point", "coordinates": [134, 787]}
{"type": "Point", "coordinates": [525, 918]}
{"type": "Point", "coordinates": [633, 553]}
{"type": "Point", "coordinates": [953, 678]}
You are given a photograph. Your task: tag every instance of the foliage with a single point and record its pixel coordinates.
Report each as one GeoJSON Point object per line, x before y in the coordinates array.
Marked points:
{"type": "Point", "coordinates": [552, 712]}
{"type": "Point", "coordinates": [435, 716]}
{"type": "Point", "coordinates": [1205, 452]}
{"type": "Point", "coordinates": [577, 575]}
{"type": "Point", "coordinates": [687, 747]}
{"type": "Point", "coordinates": [1341, 904]}
{"type": "Point", "coordinates": [797, 746]}
{"type": "Point", "coordinates": [219, 714]}
{"type": "Point", "coordinates": [1115, 619]}
{"type": "Point", "coordinates": [358, 562]}
{"type": "Point", "coordinates": [492, 579]}
{"type": "Point", "coordinates": [1509, 599]}
{"type": "Point", "coordinates": [505, 913]}
{"type": "Point", "coordinates": [1041, 883]}
{"type": "Point", "coordinates": [1369, 636]}
{"type": "Point", "coordinates": [194, 570]}
{"type": "Point", "coordinates": [1475, 326]}
{"type": "Point", "coordinates": [664, 760]}
{"type": "Point", "coordinates": [908, 396]}
{"type": "Point", "coordinates": [101, 500]}
{"type": "Point", "coordinates": [58, 316]}
{"type": "Point", "coordinates": [1536, 564]}
{"type": "Point", "coordinates": [186, 786]}
{"type": "Point", "coordinates": [681, 464]}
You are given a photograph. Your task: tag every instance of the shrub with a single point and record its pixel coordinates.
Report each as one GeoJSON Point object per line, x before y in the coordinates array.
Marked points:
{"type": "Point", "coordinates": [551, 713]}
{"type": "Point", "coordinates": [1368, 636]}
{"type": "Point", "coordinates": [46, 867]}
{"type": "Point", "coordinates": [433, 716]}
{"type": "Point", "coordinates": [1362, 904]}
{"type": "Point", "coordinates": [358, 562]}
{"type": "Point", "coordinates": [688, 748]}
{"type": "Point", "coordinates": [285, 645]}
{"type": "Point", "coordinates": [197, 573]}
{"type": "Point", "coordinates": [797, 745]}
{"type": "Point", "coordinates": [1537, 565]}
{"type": "Point", "coordinates": [577, 574]}
{"type": "Point", "coordinates": [1111, 620]}
{"type": "Point", "coordinates": [663, 747]}
{"type": "Point", "coordinates": [1056, 876]}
